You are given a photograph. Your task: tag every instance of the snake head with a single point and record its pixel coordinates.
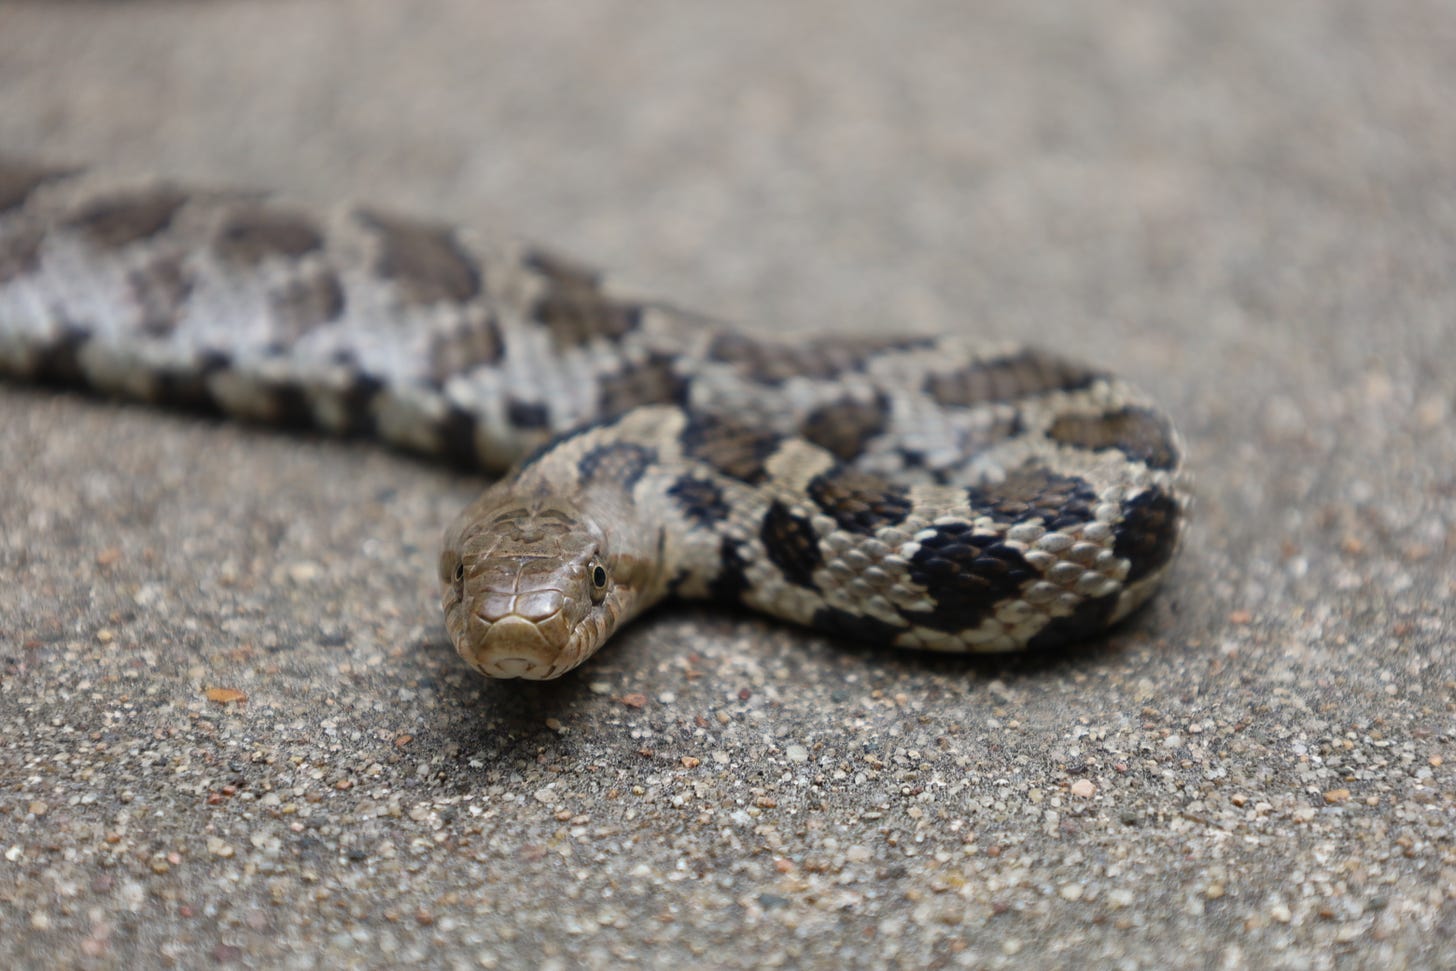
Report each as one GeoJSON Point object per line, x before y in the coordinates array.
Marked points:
{"type": "Point", "coordinates": [529, 585]}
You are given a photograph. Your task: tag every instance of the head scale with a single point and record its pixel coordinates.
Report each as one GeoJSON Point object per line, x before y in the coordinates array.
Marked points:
{"type": "Point", "coordinates": [530, 586]}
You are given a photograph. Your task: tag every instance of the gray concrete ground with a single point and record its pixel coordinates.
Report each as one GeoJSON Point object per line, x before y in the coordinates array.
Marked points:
{"type": "Point", "coordinates": [1249, 208]}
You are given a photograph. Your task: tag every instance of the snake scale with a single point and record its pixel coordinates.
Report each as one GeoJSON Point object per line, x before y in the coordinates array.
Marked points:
{"type": "Point", "coordinates": [926, 492]}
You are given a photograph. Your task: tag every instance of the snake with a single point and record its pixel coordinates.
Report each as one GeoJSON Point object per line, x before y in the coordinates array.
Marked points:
{"type": "Point", "coordinates": [944, 492]}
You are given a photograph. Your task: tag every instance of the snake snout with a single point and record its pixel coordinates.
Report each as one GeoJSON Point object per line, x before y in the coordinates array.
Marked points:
{"type": "Point", "coordinates": [514, 647]}
{"type": "Point", "coordinates": [519, 635]}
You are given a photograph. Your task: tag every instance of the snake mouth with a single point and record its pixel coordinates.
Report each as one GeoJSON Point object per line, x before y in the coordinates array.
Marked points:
{"type": "Point", "coordinates": [513, 647]}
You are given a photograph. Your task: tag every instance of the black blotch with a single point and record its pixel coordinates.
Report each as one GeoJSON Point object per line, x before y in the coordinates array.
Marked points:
{"type": "Point", "coordinates": [60, 361]}
{"type": "Point", "coordinates": [859, 503]}
{"type": "Point", "coordinates": [966, 574]}
{"type": "Point", "coordinates": [188, 389]}
{"type": "Point", "coordinates": [857, 627]}
{"type": "Point", "coordinates": [1032, 492]}
{"type": "Point", "coordinates": [791, 544]}
{"type": "Point", "coordinates": [621, 462]}
{"type": "Point", "coordinates": [527, 414]}
{"type": "Point", "coordinates": [550, 445]}
{"type": "Point", "coordinates": [732, 579]}
{"type": "Point", "coordinates": [290, 406]}
{"type": "Point", "coordinates": [357, 405]}
{"type": "Point", "coordinates": [457, 438]}
{"type": "Point", "coordinates": [1088, 619]}
{"type": "Point", "coordinates": [1148, 535]}
{"type": "Point", "coordinates": [700, 500]}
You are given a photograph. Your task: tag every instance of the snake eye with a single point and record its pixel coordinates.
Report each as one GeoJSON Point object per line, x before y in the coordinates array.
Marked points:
{"type": "Point", "coordinates": [599, 582]}
{"type": "Point", "coordinates": [459, 573]}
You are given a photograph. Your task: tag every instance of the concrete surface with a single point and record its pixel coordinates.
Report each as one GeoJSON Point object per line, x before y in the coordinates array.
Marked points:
{"type": "Point", "coordinates": [1249, 208]}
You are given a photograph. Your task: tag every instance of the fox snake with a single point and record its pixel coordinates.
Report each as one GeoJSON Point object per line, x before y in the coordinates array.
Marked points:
{"type": "Point", "coordinates": [927, 492]}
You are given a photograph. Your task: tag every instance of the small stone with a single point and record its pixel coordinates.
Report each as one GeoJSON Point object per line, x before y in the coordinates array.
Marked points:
{"type": "Point", "coordinates": [857, 853]}
{"type": "Point", "coordinates": [797, 753]}
{"type": "Point", "coordinates": [225, 696]}
{"type": "Point", "coordinates": [1280, 912]}
{"type": "Point", "coordinates": [1071, 891]}
{"type": "Point", "coordinates": [1336, 796]}
{"type": "Point", "coordinates": [304, 571]}
{"type": "Point", "coordinates": [634, 700]}
{"type": "Point", "coordinates": [1084, 789]}
{"type": "Point", "coordinates": [38, 808]}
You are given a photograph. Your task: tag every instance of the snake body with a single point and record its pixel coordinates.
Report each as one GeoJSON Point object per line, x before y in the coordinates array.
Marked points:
{"type": "Point", "coordinates": [926, 492]}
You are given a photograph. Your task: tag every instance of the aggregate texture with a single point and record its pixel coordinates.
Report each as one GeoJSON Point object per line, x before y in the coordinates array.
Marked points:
{"type": "Point", "coordinates": [234, 731]}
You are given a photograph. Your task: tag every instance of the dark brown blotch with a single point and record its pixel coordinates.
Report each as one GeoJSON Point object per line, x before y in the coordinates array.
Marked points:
{"type": "Point", "coordinates": [1033, 492]}
{"type": "Point", "coordinates": [653, 381]}
{"type": "Point", "coordinates": [462, 349]}
{"type": "Point", "coordinates": [572, 304]}
{"type": "Point", "coordinates": [1139, 433]}
{"type": "Point", "coordinates": [858, 502]}
{"type": "Point", "coordinates": [123, 219]}
{"type": "Point", "coordinates": [621, 463]}
{"type": "Point", "coordinates": [306, 302]}
{"type": "Point", "coordinates": [250, 236]}
{"type": "Point", "coordinates": [771, 363]}
{"type": "Point", "coordinates": [18, 180]}
{"type": "Point", "coordinates": [700, 500]}
{"type": "Point", "coordinates": [424, 260]}
{"type": "Point", "coordinates": [846, 426]}
{"type": "Point", "coordinates": [20, 252]}
{"type": "Point", "coordinates": [159, 292]}
{"type": "Point", "coordinates": [1019, 375]}
{"type": "Point", "coordinates": [735, 450]}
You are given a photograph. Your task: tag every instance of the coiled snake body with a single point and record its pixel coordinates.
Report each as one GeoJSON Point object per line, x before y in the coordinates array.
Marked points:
{"type": "Point", "coordinates": [926, 492]}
